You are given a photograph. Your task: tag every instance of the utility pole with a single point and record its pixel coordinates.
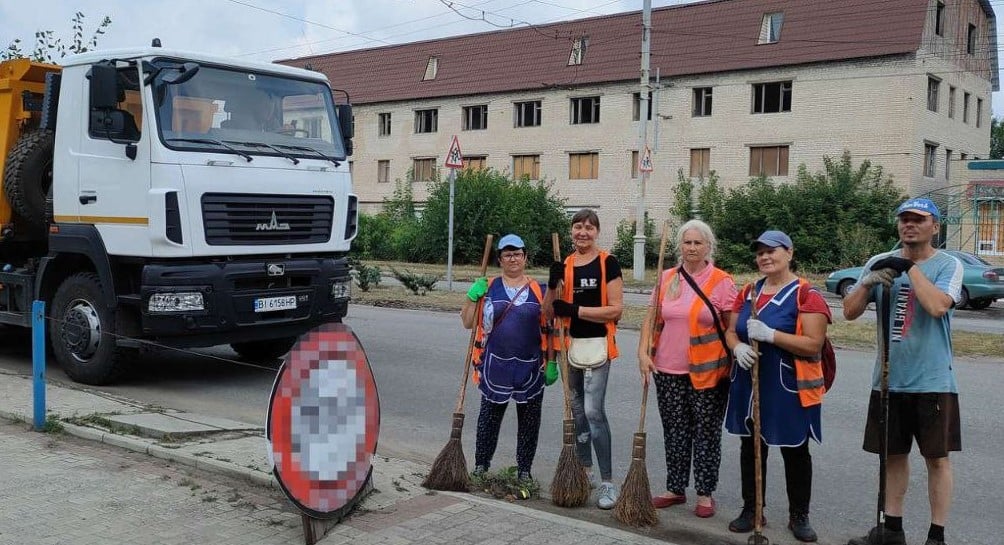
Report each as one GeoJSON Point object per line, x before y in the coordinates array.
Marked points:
{"type": "Point", "coordinates": [639, 224]}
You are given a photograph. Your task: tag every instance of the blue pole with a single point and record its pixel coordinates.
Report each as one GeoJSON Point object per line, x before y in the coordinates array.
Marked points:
{"type": "Point", "coordinates": [38, 361]}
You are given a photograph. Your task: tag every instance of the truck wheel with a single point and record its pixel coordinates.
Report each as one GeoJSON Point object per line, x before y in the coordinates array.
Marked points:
{"type": "Point", "coordinates": [264, 351]}
{"type": "Point", "coordinates": [82, 331]}
{"type": "Point", "coordinates": [27, 177]}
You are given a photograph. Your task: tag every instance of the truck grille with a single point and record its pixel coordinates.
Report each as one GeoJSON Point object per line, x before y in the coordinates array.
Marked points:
{"type": "Point", "coordinates": [234, 219]}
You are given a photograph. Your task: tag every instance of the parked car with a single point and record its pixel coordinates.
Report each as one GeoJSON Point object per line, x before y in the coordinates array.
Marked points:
{"type": "Point", "coordinates": [982, 283]}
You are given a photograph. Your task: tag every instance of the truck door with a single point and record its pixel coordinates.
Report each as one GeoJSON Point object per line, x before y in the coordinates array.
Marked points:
{"type": "Point", "coordinates": [114, 178]}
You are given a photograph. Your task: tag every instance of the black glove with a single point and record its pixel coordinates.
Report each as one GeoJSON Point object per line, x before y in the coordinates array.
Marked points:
{"type": "Point", "coordinates": [898, 264]}
{"type": "Point", "coordinates": [557, 274]}
{"type": "Point", "coordinates": [565, 309]}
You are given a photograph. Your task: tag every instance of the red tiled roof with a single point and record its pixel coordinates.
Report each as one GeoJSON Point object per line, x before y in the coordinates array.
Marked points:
{"type": "Point", "coordinates": [713, 36]}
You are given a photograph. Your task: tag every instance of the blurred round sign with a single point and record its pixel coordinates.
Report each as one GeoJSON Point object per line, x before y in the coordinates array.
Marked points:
{"type": "Point", "coordinates": [323, 421]}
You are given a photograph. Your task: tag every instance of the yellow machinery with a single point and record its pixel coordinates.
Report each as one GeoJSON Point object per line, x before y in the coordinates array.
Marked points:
{"type": "Point", "coordinates": [21, 81]}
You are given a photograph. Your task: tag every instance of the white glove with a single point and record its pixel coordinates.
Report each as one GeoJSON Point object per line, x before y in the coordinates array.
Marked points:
{"type": "Point", "coordinates": [881, 276]}
{"type": "Point", "coordinates": [745, 356]}
{"type": "Point", "coordinates": [759, 331]}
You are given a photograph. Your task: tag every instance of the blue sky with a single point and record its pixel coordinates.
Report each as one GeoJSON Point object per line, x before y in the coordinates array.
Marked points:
{"type": "Point", "coordinates": [277, 29]}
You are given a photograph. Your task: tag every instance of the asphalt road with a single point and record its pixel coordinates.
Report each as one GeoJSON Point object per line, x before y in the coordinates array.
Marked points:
{"type": "Point", "coordinates": [417, 360]}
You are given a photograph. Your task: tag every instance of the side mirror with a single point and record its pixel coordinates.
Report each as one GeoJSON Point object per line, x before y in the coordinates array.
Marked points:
{"type": "Point", "coordinates": [104, 86]}
{"type": "Point", "coordinates": [344, 112]}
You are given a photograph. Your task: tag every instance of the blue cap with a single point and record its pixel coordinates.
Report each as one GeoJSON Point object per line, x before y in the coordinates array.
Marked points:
{"type": "Point", "coordinates": [924, 207]}
{"type": "Point", "coordinates": [511, 241]}
{"type": "Point", "coordinates": [772, 239]}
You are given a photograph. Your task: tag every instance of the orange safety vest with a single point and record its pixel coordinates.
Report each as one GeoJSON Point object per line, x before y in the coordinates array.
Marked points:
{"type": "Point", "coordinates": [479, 335]}
{"type": "Point", "coordinates": [808, 369]}
{"type": "Point", "coordinates": [708, 357]}
{"type": "Point", "coordinates": [566, 295]}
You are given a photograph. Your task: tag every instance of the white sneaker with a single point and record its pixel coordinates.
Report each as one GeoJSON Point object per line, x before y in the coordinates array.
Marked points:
{"type": "Point", "coordinates": [606, 497]}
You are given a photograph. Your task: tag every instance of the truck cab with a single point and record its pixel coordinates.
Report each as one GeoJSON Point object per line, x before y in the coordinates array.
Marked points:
{"type": "Point", "coordinates": [193, 201]}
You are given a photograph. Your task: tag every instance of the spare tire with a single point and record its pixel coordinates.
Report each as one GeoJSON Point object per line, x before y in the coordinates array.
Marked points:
{"type": "Point", "coordinates": [27, 177]}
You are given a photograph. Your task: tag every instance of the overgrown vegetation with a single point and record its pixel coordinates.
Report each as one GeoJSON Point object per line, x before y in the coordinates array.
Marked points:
{"type": "Point", "coordinates": [506, 485]}
{"type": "Point", "coordinates": [419, 284]}
{"type": "Point", "coordinates": [623, 248]}
{"type": "Point", "coordinates": [367, 276]}
{"type": "Point", "coordinates": [50, 48]}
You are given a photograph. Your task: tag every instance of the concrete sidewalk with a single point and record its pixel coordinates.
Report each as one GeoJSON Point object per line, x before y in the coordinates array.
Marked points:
{"type": "Point", "coordinates": [190, 479]}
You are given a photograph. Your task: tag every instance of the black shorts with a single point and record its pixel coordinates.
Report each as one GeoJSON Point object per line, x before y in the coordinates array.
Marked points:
{"type": "Point", "coordinates": [931, 418]}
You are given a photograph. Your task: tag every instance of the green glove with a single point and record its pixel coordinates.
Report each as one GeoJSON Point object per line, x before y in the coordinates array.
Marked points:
{"type": "Point", "coordinates": [478, 289]}
{"type": "Point", "coordinates": [551, 373]}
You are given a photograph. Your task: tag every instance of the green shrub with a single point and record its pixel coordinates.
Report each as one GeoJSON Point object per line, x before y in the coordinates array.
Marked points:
{"type": "Point", "coordinates": [366, 276]}
{"type": "Point", "coordinates": [623, 248]}
{"type": "Point", "coordinates": [419, 284]}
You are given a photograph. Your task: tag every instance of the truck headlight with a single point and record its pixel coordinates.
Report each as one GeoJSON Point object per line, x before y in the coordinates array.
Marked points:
{"type": "Point", "coordinates": [341, 289]}
{"type": "Point", "coordinates": [178, 301]}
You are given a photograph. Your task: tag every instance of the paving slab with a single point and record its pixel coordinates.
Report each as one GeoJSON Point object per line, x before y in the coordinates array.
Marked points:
{"type": "Point", "coordinates": [175, 424]}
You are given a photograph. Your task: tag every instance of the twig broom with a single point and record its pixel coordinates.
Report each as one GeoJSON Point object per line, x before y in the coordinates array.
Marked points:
{"type": "Point", "coordinates": [757, 538]}
{"type": "Point", "coordinates": [634, 505]}
{"type": "Point", "coordinates": [449, 470]}
{"type": "Point", "coordinates": [570, 486]}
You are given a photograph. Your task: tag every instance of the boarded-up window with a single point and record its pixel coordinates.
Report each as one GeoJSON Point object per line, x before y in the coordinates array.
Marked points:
{"type": "Point", "coordinates": [383, 171]}
{"type": "Point", "coordinates": [425, 169]}
{"type": "Point", "coordinates": [768, 160]}
{"type": "Point", "coordinates": [700, 162]}
{"type": "Point", "coordinates": [475, 162]}
{"type": "Point", "coordinates": [526, 166]}
{"type": "Point", "coordinates": [583, 166]}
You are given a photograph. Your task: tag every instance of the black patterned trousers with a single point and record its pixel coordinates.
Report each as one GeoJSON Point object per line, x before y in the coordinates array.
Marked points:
{"type": "Point", "coordinates": [527, 431]}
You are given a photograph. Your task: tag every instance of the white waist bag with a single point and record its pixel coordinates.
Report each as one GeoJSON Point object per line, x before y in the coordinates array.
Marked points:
{"type": "Point", "coordinates": [587, 353]}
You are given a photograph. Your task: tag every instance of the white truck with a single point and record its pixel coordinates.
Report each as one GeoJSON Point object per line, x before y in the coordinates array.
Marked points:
{"type": "Point", "coordinates": [157, 198]}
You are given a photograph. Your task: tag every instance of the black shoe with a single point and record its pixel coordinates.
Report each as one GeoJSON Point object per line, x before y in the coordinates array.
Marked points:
{"type": "Point", "coordinates": [890, 537]}
{"type": "Point", "coordinates": [744, 522]}
{"type": "Point", "coordinates": [800, 527]}
{"type": "Point", "coordinates": [524, 476]}
{"type": "Point", "coordinates": [479, 471]}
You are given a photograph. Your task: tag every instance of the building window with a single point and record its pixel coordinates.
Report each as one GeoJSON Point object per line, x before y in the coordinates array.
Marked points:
{"type": "Point", "coordinates": [578, 53]}
{"type": "Point", "coordinates": [951, 102]}
{"type": "Point", "coordinates": [702, 101]}
{"type": "Point", "coordinates": [475, 162]}
{"type": "Point", "coordinates": [585, 110]}
{"type": "Point", "coordinates": [634, 165]}
{"type": "Point", "coordinates": [475, 118]}
{"type": "Point", "coordinates": [933, 84]}
{"type": "Point", "coordinates": [384, 124]}
{"type": "Point", "coordinates": [425, 169]}
{"type": "Point", "coordinates": [963, 157]}
{"type": "Point", "coordinates": [768, 160]}
{"type": "Point", "coordinates": [383, 171]}
{"type": "Point", "coordinates": [700, 162]}
{"type": "Point", "coordinates": [930, 159]}
{"type": "Point", "coordinates": [636, 108]}
{"type": "Point", "coordinates": [971, 39]}
{"type": "Point", "coordinates": [939, 19]}
{"type": "Point", "coordinates": [583, 166]}
{"type": "Point", "coordinates": [990, 230]}
{"type": "Point", "coordinates": [979, 111]}
{"type": "Point", "coordinates": [526, 167]}
{"type": "Point", "coordinates": [948, 162]}
{"type": "Point", "coordinates": [426, 120]}
{"type": "Point", "coordinates": [772, 97]}
{"type": "Point", "coordinates": [770, 28]}
{"type": "Point", "coordinates": [431, 69]}
{"type": "Point", "coordinates": [965, 107]}
{"type": "Point", "coordinates": [526, 114]}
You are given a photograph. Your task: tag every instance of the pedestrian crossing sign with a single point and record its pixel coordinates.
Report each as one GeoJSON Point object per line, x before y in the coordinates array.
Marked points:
{"type": "Point", "coordinates": [645, 161]}
{"type": "Point", "coordinates": [454, 159]}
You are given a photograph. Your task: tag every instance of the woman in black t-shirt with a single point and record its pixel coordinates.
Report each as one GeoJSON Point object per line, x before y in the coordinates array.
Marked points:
{"type": "Point", "coordinates": [590, 301]}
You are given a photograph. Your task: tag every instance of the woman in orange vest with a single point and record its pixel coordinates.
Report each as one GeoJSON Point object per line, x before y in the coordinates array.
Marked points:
{"type": "Point", "coordinates": [689, 361]}
{"type": "Point", "coordinates": [590, 303]}
{"type": "Point", "coordinates": [790, 327]}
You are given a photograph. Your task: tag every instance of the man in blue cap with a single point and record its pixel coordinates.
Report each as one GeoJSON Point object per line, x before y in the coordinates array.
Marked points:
{"type": "Point", "coordinates": [924, 284]}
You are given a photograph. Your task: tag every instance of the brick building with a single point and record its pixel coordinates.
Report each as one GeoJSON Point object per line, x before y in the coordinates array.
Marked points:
{"type": "Point", "coordinates": [748, 87]}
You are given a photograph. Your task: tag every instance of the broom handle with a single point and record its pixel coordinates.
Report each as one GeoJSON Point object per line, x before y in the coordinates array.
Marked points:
{"type": "Point", "coordinates": [655, 320]}
{"type": "Point", "coordinates": [560, 323]}
{"type": "Point", "coordinates": [474, 329]}
{"type": "Point", "coordinates": [757, 455]}
{"type": "Point", "coordinates": [883, 327]}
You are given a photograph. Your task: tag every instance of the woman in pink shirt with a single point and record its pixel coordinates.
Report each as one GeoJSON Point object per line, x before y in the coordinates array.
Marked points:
{"type": "Point", "coordinates": [690, 363]}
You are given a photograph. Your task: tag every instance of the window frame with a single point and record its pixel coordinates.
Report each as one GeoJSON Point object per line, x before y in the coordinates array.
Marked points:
{"type": "Point", "coordinates": [468, 116]}
{"type": "Point", "coordinates": [383, 168]}
{"type": "Point", "coordinates": [481, 160]}
{"type": "Point", "coordinates": [520, 112]}
{"type": "Point", "coordinates": [939, 18]}
{"type": "Point", "coordinates": [979, 112]}
{"type": "Point", "coordinates": [784, 89]}
{"type": "Point", "coordinates": [704, 164]}
{"type": "Point", "coordinates": [518, 170]}
{"type": "Point", "coordinates": [951, 102]}
{"type": "Point", "coordinates": [930, 159]}
{"type": "Point", "coordinates": [431, 161]}
{"type": "Point", "coordinates": [933, 90]}
{"type": "Point", "coordinates": [384, 124]}
{"type": "Point", "coordinates": [577, 109]}
{"type": "Point", "coordinates": [421, 122]}
{"type": "Point", "coordinates": [971, 37]}
{"type": "Point", "coordinates": [703, 102]}
{"type": "Point", "coordinates": [965, 107]}
{"type": "Point", "coordinates": [575, 167]}
{"type": "Point", "coordinates": [779, 151]}
{"type": "Point", "coordinates": [770, 28]}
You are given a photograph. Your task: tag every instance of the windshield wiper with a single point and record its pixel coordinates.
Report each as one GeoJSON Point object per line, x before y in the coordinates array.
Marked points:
{"type": "Point", "coordinates": [269, 146]}
{"type": "Point", "coordinates": [212, 142]}
{"type": "Point", "coordinates": [311, 150]}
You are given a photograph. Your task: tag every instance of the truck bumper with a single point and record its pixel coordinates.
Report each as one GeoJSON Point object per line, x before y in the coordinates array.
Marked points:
{"type": "Point", "coordinates": [229, 292]}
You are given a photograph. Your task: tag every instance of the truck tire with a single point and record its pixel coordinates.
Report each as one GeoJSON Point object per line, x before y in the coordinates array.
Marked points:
{"type": "Point", "coordinates": [82, 331]}
{"type": "Point", "coordinates": [27, 177]}
{"type": "Point", "coordinates": [264, 351]}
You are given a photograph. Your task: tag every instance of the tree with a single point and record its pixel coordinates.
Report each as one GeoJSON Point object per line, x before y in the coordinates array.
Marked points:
{"type": "Point", "coordinates": [49, 47]}
{"type": "Point", "coordinates": [996, 138]}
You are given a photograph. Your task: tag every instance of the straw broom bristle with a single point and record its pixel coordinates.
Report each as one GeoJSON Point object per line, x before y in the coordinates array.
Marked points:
{"type": "Point", "coordinates": [449, 470]}
{"type": "Point", "coordinates": [570, 486]}
{"type": "Point", "coordinates": [634, 505]}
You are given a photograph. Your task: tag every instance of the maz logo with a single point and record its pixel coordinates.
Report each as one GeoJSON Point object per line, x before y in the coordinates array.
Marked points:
{"type": "Point", "coordinates": [273, 225]}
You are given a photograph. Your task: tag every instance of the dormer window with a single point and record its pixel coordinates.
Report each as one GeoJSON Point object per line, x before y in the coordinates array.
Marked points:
{"type": "Point", "coordinates": [770, 28]}
{"type": "Point", "coordinates": [431, 69]}
{"type": "Point", "coordinates": [578, 53]}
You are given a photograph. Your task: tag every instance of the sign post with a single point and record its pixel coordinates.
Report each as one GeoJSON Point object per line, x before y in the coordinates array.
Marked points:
{"type": "Point", "coordinates": [454, 160]}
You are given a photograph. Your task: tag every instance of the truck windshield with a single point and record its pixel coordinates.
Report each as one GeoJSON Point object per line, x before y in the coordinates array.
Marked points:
{"type": "Point", "coordinates": [253, 112]}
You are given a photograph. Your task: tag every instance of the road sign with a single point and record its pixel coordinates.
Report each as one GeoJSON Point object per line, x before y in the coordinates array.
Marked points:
{"type": "Point", "coordinates": [645, 161]}
{"type": "Point", "coordinates": [454, 159]}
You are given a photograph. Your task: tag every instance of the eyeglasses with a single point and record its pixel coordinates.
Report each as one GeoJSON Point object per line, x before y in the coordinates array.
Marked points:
{"type": "Point", "coordinates": [511, 257]}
